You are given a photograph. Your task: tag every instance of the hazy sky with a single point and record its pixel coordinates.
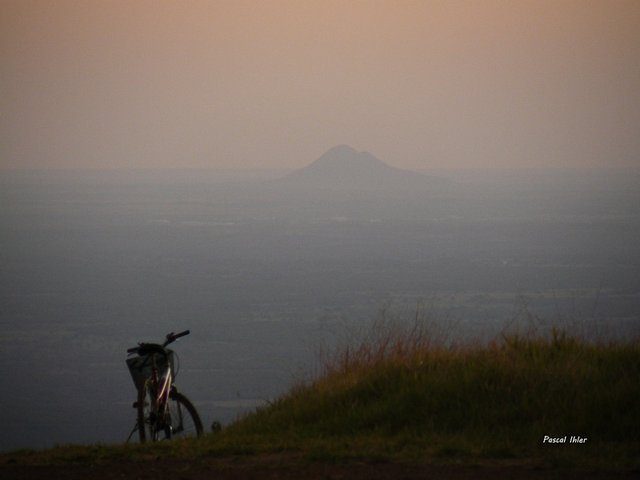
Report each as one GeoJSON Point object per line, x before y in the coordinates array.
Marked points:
{"type": "Point", "coordinates": [185, 83]}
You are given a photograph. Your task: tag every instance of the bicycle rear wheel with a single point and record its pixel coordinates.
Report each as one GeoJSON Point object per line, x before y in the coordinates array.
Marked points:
{"type": "Point", "coordinates": [179, 420]}
{"type": "Point", "coordinates": [185, 421]}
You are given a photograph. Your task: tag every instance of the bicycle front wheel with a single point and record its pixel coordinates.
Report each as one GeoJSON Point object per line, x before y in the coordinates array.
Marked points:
{"type": "Point", "coordinates": [185, 421]}
{"type": "Point", "coordinates": [146, 418]}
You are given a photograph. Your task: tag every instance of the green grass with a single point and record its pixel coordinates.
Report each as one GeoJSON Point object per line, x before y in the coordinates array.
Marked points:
{"type": "Point", "coordinates": [397, 395]}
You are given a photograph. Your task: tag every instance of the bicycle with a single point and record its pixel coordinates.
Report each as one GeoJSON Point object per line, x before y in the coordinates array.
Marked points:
{"type": "Point", "coordinates": [162, 411]}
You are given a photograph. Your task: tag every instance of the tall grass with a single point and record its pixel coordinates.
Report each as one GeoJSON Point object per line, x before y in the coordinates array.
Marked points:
{"type": "Point", "coordinates": [402, 384]}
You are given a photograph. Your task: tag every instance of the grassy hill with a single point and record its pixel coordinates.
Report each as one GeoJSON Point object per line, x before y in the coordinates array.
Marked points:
{"type": "Point", "coordinates": [398, 397]}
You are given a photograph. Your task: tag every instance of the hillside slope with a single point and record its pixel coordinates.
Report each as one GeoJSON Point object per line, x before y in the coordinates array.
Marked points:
{"type": "Point", "coordinates": [544, 398]}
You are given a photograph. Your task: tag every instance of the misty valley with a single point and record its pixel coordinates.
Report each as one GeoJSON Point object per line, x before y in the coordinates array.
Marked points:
{"type": "Point", "coordinates": [267, 272]}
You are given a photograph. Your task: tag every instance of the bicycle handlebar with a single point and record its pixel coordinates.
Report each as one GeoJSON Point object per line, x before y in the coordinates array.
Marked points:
{"type": "Point", "coordinates": [172, 337]}
{"type": "Point", "coordinates": [146, 348]}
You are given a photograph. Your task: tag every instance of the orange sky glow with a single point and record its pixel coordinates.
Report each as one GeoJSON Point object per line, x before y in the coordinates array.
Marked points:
{"type": "Point", "coordinates": [246, 84]}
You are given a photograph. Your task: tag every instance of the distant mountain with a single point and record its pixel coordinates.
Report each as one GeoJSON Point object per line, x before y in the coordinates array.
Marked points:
{"type": "Point", "coordinates": [342, 167]}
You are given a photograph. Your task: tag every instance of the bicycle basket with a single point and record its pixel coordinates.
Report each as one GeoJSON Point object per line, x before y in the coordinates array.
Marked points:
{"type": "Point", "coordinates": [141, 367]}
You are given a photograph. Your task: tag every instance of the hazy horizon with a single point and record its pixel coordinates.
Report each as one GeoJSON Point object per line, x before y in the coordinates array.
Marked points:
{"type": "Point", "coordinates": [274, 84]}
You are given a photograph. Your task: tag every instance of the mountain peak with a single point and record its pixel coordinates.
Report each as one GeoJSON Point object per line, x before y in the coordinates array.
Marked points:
{"type": "Point", "coordinates": [343, 149]}
{"type": "Point", "coordinates": [344, 167]}
{"type": "Point", "coordinates": [345, 157]}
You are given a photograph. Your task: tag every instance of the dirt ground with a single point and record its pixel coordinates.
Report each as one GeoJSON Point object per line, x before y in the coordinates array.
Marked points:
{"type": "Point", "coordinates": [282, 467]}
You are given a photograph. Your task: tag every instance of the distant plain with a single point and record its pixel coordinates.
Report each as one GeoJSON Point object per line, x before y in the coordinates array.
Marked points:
{"type": "Point", "coordinates": [266, 276]}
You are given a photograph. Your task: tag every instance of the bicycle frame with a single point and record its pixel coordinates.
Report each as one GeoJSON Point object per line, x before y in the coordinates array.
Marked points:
{"type": "Point", "coordinates": [160, 397]}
